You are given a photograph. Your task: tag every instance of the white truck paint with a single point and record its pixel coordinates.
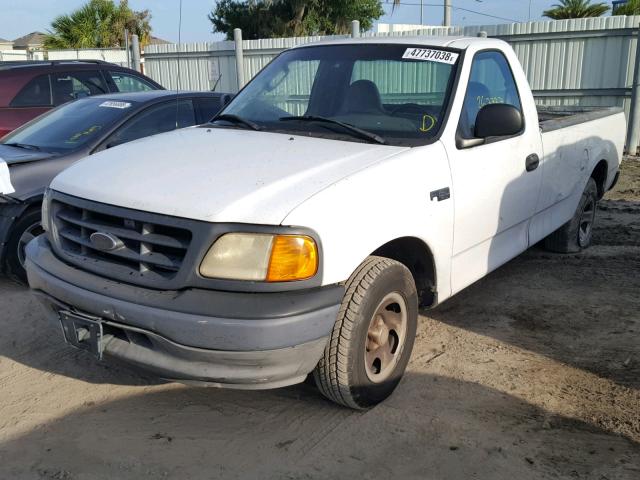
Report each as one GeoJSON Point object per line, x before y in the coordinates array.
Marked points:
{"type": "Point", "coordinates": [358, 197]}
{"type": "Point", "coordinates": [5, 179]}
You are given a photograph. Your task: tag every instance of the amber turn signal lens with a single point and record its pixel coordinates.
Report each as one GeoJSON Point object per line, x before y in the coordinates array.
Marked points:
{"type": "Point", "coordinates": [293, 257]}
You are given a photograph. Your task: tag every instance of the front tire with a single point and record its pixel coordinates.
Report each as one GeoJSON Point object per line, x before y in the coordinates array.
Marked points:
{"type": "Point", "coordinates": [577, 234]}
{"type": "Point", "coordinates": [373, 336]}
{"type": "Point", "coordinates": [25, 229]}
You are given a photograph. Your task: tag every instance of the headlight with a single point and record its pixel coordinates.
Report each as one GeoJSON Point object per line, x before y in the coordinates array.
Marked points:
{"type": "Point", "coordinates": [46, 203]}
{"type": "Point", "coordinates": [261, 257]}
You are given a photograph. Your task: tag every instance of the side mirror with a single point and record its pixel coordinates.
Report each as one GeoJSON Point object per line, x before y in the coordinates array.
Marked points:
{"type": "Point", "coordinates": [226, 99]}
{"type": "Point", "coordinates": [498, 120]}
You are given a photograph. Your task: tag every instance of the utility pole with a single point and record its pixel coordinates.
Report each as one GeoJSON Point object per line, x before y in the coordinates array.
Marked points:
{"type": "Point", "coordinates": [447, 13]}
{"type": "Point", "coordinates": [421, 12]}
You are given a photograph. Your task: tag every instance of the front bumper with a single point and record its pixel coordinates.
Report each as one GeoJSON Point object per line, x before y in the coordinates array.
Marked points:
{"type": "Point", "coordinates": [240, 340]}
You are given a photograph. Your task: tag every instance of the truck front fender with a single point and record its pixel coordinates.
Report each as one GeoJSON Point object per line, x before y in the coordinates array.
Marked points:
{"type": "Point", "coordinates": [402, 197]}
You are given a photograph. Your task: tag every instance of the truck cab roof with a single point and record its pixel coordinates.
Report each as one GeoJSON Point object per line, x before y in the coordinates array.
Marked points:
{"type": "Point", "coordinates": [458, 42]}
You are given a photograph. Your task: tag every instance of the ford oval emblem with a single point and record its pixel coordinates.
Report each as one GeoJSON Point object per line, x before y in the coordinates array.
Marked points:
{"type": "Point", "coordinates": [105, 242]}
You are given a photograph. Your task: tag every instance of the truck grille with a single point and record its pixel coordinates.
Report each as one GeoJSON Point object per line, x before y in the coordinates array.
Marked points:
{"type": "Point", "coordinates": [152, 249]}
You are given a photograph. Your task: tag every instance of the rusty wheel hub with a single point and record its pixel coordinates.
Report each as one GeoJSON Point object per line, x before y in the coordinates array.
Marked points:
{"type": "Point", "coordinates": [385, 337]}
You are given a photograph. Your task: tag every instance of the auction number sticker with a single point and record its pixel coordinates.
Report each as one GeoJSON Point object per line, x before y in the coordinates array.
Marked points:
{"type": "Point", "coordinates": [430, 55]}
{"type": "Point", "coordinates": [114, 104]}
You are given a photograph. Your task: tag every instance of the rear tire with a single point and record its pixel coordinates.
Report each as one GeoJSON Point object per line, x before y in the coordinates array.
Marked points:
{"type": "Point", "coordinates": [577, 234]}
{"type": "Point", "coordinates": [25, 229]}
{"type": "Point", "coordinates": [373, 336]}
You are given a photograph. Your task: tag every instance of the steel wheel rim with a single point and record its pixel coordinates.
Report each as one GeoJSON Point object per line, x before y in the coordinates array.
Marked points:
{"type": "Point", "coordinates": [386, 337]}
{"type": "Point", "coordinates": [29, 234]}
{"type": "Point", "coordinates": [585, 227]}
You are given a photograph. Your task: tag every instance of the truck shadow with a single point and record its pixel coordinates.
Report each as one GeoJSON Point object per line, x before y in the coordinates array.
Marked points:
{"type": "Point", "coordinates": [30, 338]}
{"type": "Point", "coordinates": [580, 310]}
{"type": "Point", "coordinates": [432, 424]}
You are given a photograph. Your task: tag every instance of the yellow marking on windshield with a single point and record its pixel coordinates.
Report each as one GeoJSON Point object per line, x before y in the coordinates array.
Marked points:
{"type": "Point", "coordinates": [428, 122]}
{"type": "Point", "coordinates": [76, 136]}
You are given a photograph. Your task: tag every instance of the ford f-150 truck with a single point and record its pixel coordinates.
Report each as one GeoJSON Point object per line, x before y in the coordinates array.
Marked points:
{"type": "Point", "coordinates": [347, 185]}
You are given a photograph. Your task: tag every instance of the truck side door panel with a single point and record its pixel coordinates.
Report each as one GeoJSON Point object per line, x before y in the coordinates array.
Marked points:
{"type": "Point", "coordinates": [494, 194]}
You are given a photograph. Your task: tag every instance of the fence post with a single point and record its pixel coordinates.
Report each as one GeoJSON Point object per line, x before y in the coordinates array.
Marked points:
{"type": "Point", "coordinates": [135, 52]}
{"type": "Point", "coordinates": [355, 29]}
{"type": "Point", "coordinates": [126, 47]}
{"type": "Point", "coordinates": [237, 38]}
{"type": "Point", "coordinates": [633, 132]}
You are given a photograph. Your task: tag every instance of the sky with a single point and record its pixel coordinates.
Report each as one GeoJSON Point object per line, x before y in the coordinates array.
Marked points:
{"type": "Point", "coordinates": [20, 17]}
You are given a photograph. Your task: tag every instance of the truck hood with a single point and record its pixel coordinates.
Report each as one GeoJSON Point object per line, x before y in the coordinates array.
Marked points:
{"type": "Point", "coordinates": [218, 174]}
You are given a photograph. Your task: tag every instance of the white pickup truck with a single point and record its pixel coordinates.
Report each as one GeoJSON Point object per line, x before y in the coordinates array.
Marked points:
{"type": "Point", "coordinates": [347, 185]}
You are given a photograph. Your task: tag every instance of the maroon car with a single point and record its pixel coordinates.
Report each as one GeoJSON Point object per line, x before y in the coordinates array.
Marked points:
{"type": "Point", "coordinates": [30, 88]}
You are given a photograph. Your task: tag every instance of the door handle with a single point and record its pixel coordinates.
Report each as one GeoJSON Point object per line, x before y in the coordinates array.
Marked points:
{"type": "Point", "coordinates": [532, 162]}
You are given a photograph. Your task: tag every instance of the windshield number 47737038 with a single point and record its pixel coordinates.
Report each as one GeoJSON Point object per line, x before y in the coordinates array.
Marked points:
{"type": "Point", "coordinates": [428, 54]}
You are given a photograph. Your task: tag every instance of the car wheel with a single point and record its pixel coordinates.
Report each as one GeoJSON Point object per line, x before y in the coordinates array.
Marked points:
{"type": "Point", "coordinates": [25, 229]}
{"type": "Point", "coordinates": [576, 235]}
{"type": "Point", "coordinates": [373, 336]}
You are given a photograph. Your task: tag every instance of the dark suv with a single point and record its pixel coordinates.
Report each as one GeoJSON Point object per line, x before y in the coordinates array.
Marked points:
{"type": "Point", "coordinates": [30, 88]}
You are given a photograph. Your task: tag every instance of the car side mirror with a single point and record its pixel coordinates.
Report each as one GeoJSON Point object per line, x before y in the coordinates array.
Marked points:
{"type": "Point", "coordinates": [498, 120]}
{"type": "Point", "coordinates": [226, 99]}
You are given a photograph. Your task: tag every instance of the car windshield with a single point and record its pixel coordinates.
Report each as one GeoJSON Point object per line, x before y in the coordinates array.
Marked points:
{"type": "Point", "coordinates": [70, 126]}
{"type": "Point", "coordinates": [395, 93]}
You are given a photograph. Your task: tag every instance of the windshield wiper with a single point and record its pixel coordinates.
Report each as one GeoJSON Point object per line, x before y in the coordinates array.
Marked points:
{"type": "Point", "coordinates": [23, 145]}
{"type": "Point", "coordinates": [229, 117]}
{"type": "Point", "coordinates": [355, 130]}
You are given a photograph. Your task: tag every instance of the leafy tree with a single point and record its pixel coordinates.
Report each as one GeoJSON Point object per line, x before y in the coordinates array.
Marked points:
{"type": "Point", "coordinates": [98, 24]}
{"type": "Point", "coordinates": [576, 9]}
{"type": "Point", "coordinates": [285, 18]}
{"type": "Point", "coordinates": [632, 7]}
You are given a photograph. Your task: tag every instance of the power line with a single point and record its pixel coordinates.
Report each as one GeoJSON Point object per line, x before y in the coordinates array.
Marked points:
{"type": "Point", "coordinates": [460, 8]}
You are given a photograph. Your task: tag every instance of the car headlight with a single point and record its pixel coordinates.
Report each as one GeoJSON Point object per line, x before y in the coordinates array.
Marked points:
{"type": "Point", "coordinates": [46, 204]}
{"type": "Point", "coordinates": [261, 257]}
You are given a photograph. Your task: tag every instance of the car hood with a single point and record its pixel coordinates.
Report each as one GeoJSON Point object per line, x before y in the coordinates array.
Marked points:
{"type": "Point", "coordinates": [218, 174]}
{"type": "Point", "coordinates": [13, 155]}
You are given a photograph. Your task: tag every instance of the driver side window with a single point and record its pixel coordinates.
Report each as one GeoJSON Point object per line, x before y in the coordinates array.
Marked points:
{"type": "Point", "coordinates": [491, 81]}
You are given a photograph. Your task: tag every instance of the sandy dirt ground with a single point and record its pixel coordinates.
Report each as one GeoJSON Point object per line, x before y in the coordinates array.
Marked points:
{"type": "Point", "coordinates": [533, 372]}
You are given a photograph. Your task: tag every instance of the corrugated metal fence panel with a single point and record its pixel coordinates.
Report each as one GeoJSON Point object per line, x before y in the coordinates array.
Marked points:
{"type": "Point", "coordinates": [112, 55]}
{"type": "Point", "coordinates": [258, 53]}
{"type": "Point", "coordinates": [587, 61]}
{"type": "Point", "coordinates": [201, 66]}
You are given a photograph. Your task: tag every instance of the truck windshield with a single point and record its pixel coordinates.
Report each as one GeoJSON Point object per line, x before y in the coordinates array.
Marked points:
{"type": "Point", "coordinates": [70, 126]}
{"type": "Point", "coordinates": [398, 93]}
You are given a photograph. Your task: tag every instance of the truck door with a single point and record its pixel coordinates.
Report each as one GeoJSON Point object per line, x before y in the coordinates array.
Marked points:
{"type": "Point", "coordinates": [495, 184]}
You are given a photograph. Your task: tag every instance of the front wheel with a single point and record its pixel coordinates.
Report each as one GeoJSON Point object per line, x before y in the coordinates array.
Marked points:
{"type": "Point", "coordinates": [25, 229]}
{"type": "Point", "coordinates": [373, 336]}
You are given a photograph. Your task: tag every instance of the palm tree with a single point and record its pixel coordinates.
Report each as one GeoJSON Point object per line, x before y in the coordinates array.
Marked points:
{"type": "Point", "coordinates": [632, 7]}
{"type": "Point", "coordinates": [576, 9]}
{"type": "Point", "coordinates": [98, 24]}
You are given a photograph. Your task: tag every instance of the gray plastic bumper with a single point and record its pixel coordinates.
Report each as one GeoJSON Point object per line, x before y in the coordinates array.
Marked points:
{"type": "Point", "coordinates": [278, 347]}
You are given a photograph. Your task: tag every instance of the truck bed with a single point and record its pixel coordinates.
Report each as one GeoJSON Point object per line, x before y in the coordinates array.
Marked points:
{"type": "Point", "coordinates": [554, 118]}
